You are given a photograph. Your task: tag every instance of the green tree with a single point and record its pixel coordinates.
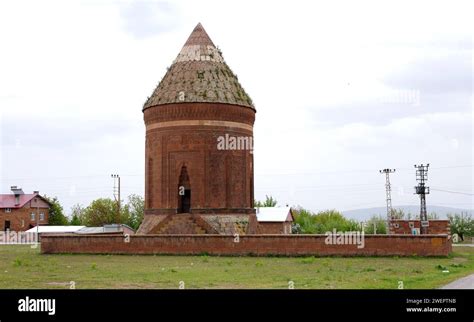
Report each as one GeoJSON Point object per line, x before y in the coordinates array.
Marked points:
{"type": "Point", "coordinates": [269, 202]}
{"type": "Point", "coordinates": [328, 220]}
{"type": "Point", "coordinates": [309, 223]}
{"type": "Point", "coordinates": [397, 213]}
{"type": "Point", "coordinates": [136, 210]}
{"type": "Point", "coordinates": [400, 214]}
{"type": "Point", "coordinates": [304, 221]}
{"type": "Point", "coordinates": [380, 224]}
{"type": "Point", "coordinates": [295, 228]}
{"type": "Point", "coordinates": [461, 224]}
{"type": "Point", "coordinates": [56, 212]}
{"type": "Point", "coordinates": [77, 215]}
{"type": "Point", "coordinates": [104, 211]}
{"type": "Point", "coordinates": [75, 221]}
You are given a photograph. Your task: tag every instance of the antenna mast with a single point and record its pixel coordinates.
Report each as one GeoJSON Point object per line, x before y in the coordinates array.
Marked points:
{"type": "Point", "coordinates": [422, 190]}
{"type": "Point", "coordinates": [117, 195]}
{"type": "Point", "coordinates": [388, 195]}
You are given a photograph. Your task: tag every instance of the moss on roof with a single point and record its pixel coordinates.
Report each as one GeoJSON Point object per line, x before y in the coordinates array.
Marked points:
{"type": "Point", "coordinates": [199, 74]}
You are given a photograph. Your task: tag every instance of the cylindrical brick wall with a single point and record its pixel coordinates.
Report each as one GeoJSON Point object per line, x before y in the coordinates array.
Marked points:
{"type": "Point", "coordinates": [187, 135]}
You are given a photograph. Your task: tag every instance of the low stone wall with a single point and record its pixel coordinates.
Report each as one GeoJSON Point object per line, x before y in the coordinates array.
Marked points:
{"type": "Point", "coordinates": [258, 245]}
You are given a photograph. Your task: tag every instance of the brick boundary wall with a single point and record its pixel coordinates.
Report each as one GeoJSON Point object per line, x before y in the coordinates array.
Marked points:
{"type": "Point", "coordinates": [256, 245]}
{"type": "Point", "coordinates": [436, 226]}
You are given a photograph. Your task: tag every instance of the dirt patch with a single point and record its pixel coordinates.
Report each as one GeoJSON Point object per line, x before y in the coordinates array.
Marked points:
{"type": "Point", "coordinates": [65, 284]}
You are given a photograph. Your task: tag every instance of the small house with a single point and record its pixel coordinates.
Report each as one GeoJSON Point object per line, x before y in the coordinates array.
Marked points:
{"type": "Point", "coordinates": [20, 211]}
{"type": "Point", "coordinates": [274, 220]}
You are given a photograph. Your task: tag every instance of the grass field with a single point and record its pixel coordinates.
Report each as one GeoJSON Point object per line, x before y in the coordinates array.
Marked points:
{"type": "Point", "coordinates": [24, 267]}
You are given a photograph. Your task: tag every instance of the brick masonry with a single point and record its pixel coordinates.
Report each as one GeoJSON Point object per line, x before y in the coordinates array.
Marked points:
{"type": "Point", "coordinates": [274, 227]}
{"type": "Point", "coordinates": [20, 218]}
{"type": "Point", "coordinates": [258, 245]}
{"type": "Point", "coordinates": [220, 181]}
{"type": "Point", "coordinates": [198, 102]}
{"type": "Point", "coordinates": [438, 226]}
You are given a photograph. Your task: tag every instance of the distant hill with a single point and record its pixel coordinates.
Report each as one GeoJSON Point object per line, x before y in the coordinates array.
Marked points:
{"type": "Point", "coordinates": [366, 213]}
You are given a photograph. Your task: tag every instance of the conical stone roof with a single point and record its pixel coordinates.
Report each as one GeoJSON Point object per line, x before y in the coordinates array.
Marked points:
{"type": "Point", "coordinates": [199, 74]}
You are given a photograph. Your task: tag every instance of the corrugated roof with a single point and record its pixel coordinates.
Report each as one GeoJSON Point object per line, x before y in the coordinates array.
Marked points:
{"type": "Point", "coordinates": [90, 230]}
{"type": "Point", "coordinates": [55, 229]}
{"type": "Point", "coordinates": [199, 74]}
{"type": "Point", "coordinates": [274, 214]}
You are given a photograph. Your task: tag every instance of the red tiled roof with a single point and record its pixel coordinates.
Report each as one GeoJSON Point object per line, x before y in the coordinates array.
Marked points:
{"type": "Point", "coordinates": [8, 201]}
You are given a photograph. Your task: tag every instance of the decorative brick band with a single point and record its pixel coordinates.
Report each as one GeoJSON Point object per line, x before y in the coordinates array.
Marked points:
{"type": "Point", "coordinates": [198, 123]}
{"type": "Point", "coordinates": [202, 211]}
{"type": "Point", "coordinates": [228, 211]}
{"type": "Point", "coordinates": [161, 211]}
{"type": "Point", "coordinates": [199, 111]}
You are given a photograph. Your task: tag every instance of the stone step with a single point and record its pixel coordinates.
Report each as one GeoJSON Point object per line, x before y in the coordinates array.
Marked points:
{"type": "Point", "coordinates": [181, 224]}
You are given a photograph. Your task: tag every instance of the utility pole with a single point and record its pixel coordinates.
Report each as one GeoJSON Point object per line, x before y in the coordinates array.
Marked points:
{"type": "Point", "coordinates": [388, 194]}
{"type": "Point", "coordinates": [422, 190]}
{"type": "Point", "coordinates": [37, 221]}
{"type": "Point", "coordinates": [116, 178]}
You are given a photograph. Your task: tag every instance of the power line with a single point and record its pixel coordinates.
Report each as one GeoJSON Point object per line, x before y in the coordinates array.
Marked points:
{"type": "Point", "coordinates": [456, 192]}
{"type": "Point", "coordinates": [355, 170]}
{"type": "Point", "coordinates": [455, 166]}
{"type": "Point", "coordinates": [71, 177]}
{"type": "Point", "coordinates": [257, 174]}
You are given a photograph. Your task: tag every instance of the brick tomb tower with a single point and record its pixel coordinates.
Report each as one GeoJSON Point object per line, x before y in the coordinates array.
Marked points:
{"type": "Point", "coordinates": [199, 141]}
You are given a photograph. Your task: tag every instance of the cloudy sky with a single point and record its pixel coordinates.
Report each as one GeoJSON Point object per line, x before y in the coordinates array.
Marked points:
{"type": "Point", "coordinates": [342, 89]}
